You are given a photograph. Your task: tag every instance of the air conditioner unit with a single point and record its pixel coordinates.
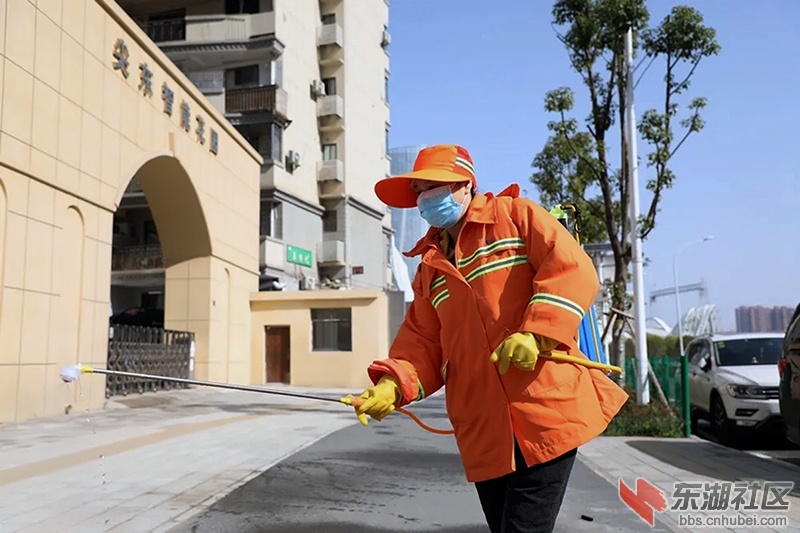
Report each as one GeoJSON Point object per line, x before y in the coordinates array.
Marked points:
{"type": "Point", "coordinates": [318, 88]}
{"type": "Point", "coordinates": [308, 284]}
{"type": "Point", "coordinates": [293, 159]}
{"type": "Point", "coordinates": [386, 38]}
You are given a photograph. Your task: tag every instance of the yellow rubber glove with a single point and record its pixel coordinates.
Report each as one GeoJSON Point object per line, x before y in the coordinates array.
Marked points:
{"type": "Point", "coordinates": [522, 350]}
{"type": "Point", "coordinates": [377, 401]}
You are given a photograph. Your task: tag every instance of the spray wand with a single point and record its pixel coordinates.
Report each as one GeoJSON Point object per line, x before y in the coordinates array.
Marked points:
{"type": "Point", "coordinates": [72, 373]}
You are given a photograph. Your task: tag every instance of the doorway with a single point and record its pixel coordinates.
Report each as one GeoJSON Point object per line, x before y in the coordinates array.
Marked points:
{"type": "Point", "coordinates": [277, 353]}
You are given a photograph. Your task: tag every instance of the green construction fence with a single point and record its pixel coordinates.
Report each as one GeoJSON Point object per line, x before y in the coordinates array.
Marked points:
{"type": "Point", "coordinates": [667, 370]}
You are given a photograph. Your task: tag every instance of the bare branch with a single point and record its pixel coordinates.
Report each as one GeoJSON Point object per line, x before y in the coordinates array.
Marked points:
{"type": "Point", "coordinates": [676, 88]}
{"type": "Point", "coordinates": [580, 156]}
{"type": "Point", "coordinates": [689, 131]}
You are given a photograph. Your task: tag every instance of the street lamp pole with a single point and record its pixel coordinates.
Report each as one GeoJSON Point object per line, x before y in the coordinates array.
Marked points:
{"type": "Point", "coordinates": [640, 328]}
{"type": "Point", "coordinates": [685, 408]}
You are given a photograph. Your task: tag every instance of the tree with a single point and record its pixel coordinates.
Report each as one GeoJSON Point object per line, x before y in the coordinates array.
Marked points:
{"type": "Point", "coordinates": [574, 165]}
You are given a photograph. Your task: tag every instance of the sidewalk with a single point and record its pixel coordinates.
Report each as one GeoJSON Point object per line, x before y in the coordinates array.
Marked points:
{"type": "Point", "coordinates": [148, 462]}
{"type": "Point", "coordinates": [663, 462]}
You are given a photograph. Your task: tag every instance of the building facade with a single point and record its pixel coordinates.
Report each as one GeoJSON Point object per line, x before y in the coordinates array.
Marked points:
{"type": "Point", "coordinates": [760, 319]}
{"type": "Point", "coordinates": [88, 105]}
{"type": "Point", "coordinates": [306, 83]}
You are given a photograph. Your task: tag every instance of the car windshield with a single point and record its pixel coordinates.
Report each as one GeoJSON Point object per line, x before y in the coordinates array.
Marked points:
{"type": "Point", "coordinates": [743, 352]}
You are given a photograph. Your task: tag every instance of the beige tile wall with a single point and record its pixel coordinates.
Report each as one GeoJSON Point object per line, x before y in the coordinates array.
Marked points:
{"type": "Point", "coordinates": [73, 132]}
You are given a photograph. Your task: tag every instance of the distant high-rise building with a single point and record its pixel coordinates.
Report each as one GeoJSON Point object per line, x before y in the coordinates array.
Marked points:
{"type": "Point", "coordinates": [760, 319]}
{"type": "Point", "coordinates": [408, 225]}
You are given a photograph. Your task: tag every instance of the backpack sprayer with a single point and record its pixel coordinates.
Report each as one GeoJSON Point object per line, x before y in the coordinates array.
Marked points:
{"type": "Point", "coordinates": [588, 331]}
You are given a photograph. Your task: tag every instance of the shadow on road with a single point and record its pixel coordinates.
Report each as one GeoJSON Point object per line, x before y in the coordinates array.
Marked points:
{"type": "Point", "coordinates": [690, 456]}
{"type": "Point", "coordinates": [772, 440]}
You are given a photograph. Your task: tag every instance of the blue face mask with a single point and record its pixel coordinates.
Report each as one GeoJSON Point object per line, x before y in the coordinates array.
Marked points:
{"type": "Point", "coordinates": [439, 208]}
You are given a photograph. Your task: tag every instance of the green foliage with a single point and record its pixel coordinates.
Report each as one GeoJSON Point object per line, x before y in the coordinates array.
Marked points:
{"type": "Point", "coordinates": [653, 420]}
{"type": "Point", "coordinates": [656, 345]}
{"type": "Point", "coordinates": [574, 164]}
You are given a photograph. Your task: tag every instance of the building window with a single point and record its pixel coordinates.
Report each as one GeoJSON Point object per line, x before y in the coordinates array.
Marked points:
{"type": "Point", "coordinates": [242, 77]}
{"type": "Point", "coordinates": [330, 86]}
{"type": "Point", "coordinates": [330, 222]}
{"type": "Point", "coordinates": [272, 219]}
{"type": "Point", "coordinates": [329, 152]}
{"type": "Point", "coordinates": [332, 330]}
{"type": "Point", "coordinates": [274, 147]}
{"type": "Point", "coordinates": [237, 7]}
{"type": "Point", "coordinates": [386, 144]}
{"type": "Point", "coordinates": [386, 87]}
{"type": "Point", "coordinates": [328, 18]}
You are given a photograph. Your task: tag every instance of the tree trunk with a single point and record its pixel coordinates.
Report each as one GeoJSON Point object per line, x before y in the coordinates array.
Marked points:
{"type": "Point", "coordinates": [619, 301]}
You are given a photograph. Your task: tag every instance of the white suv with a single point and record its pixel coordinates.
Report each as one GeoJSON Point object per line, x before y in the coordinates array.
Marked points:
{"type": "Point", "coordinates": [733, 382]}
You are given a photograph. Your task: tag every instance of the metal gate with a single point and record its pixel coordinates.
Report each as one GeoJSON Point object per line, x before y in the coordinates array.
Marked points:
{"type": "Point", "coordinates": [146, 350]}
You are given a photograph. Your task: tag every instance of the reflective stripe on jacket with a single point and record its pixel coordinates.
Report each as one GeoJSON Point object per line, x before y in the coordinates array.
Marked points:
{"type": "Point", "coordinates": [516, 269]}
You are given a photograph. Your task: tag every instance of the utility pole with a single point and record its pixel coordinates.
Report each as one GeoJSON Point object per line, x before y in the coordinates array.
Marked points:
{"type": "Point", "coordinates": [640, 328]}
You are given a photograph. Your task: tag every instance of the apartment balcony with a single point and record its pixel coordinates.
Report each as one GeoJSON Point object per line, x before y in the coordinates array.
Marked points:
{"type": "Point", "coordinates": [141, 257]}
{"type": "Point", "coordinates": [330, 112]}
{"type": "Point", "coordinates": [202, 41]}
{"type": "Point", "coordinates": [161, 31]}
{"type": "Point", "coordinates": [331, 253]}
{"type": "Point", "coordinates": [330, 180]}
{"type": "Point", "coordinates": [270, 253]}
{"type": "Point", "coordinates": [332, 170]}
{"type": "Point", "coordinates": [269, 99]}
{"type": "Point", "coordinates": [330, 41]}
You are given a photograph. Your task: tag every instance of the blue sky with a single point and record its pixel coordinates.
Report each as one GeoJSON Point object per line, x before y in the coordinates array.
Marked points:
{"type": "Point", "coordinates": [462, 73]}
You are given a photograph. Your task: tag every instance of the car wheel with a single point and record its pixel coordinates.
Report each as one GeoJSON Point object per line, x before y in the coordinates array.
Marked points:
{"type": "Point", "coordinates": [723, 428]}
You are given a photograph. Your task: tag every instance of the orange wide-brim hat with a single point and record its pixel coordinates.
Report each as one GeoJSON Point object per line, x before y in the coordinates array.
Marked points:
{"type": "Point", "coordinates": [444, 163]}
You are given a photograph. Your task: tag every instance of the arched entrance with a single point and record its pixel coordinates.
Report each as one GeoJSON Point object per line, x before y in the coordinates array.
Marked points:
{"type": "Point", "coordinates": [159, 224]}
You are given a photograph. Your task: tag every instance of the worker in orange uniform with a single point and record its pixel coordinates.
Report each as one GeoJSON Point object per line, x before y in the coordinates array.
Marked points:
{"type": "Point", "coordinates": [501, 281]}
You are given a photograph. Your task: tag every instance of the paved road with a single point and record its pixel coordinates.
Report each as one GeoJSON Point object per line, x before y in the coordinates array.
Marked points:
{"type": "Point", "coordinates": [389, 477]}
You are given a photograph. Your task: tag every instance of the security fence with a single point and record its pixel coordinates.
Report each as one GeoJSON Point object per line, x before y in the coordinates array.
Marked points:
{"type": "Point", "coordinates": [147, 350]}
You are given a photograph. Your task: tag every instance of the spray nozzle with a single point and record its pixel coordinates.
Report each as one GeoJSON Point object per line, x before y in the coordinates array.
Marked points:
{"type": "Point", "coordinates": [73, 372]}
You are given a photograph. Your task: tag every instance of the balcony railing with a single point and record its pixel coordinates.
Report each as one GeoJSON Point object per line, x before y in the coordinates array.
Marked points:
{"type": "Point", "coordinates": [330, 170]}
{"type": "Point", "coordinates": [330, 34]}
{"type": "Point", "coordinates": [330, 106]}
{"type": "Point", "coordinates": [270, 98]}
{"type": "Point", "coordinates": [143, 257]}
{"type": "Point", "coordinates": [161, 31]}
{"type": "Point", "coordinates": [212, 28]}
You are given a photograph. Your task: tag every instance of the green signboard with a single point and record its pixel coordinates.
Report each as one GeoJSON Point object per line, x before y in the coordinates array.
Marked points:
{"type": "Point", "coordinates": [298, 256]}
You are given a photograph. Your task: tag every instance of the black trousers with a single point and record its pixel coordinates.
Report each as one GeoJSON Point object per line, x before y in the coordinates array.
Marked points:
{"type": "Point", "coordinates": [529, 499]}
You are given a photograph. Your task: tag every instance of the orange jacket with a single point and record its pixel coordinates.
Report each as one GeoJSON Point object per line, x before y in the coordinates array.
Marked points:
{"type": "Point", "coordinates": [518, 269]}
